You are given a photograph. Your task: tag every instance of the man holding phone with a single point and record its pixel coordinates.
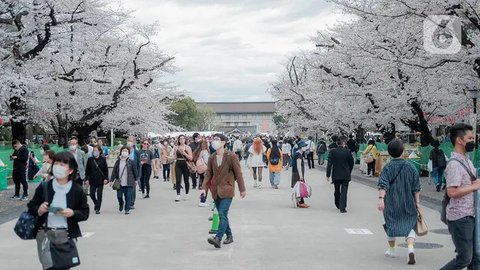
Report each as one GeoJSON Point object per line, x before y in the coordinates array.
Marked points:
{"type": "Point", "coordinates": [19, 175]}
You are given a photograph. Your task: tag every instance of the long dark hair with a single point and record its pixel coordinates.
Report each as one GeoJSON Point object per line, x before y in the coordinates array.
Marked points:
{"type": "Point", "coordinates": [67, 158]}
{"type": "Point", "coordinates": [275, 151]}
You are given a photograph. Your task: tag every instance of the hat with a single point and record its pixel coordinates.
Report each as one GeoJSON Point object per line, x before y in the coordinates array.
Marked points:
{"type": "Point", "coordinates": [301, 144]}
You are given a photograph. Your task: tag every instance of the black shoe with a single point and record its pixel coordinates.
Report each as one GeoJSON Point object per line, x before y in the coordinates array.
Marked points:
{"type": "Point", "coordinates": [194, 187]}
{"type": "Point", "coordinates": [228, 240]}
{"type": "Point", "coordinates": [146, 196]}
{"type": "Point", "coordinates": [127, 213]}
{"type": "Point", "coordinates": [411, 258]}
{"type": "Point", "coordinates": [215, 242]}
{"type": "Point", "coordinates": [343, 211]}
{"type": "Point", "coordinates": [120, 208]}
{"type": "Point", "coordinates": [132, 207]}
{"type": "Point", "coordinates": [444, 186]}
{"type": "Point", "coordinates": [210, 219]}
{"type": "Point", "coordinates": [97, 212]}
{"type": "Point", "coordinates": [439, 188]}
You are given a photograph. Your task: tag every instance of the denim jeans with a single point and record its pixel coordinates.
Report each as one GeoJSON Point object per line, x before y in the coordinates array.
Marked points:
{"type": "Point", "coordinates": [462, 232]}
{"type": "Point", "coordinates": [274, 178]}
{"type": "Point", "coordinates": [437, 176]}
{"type": "Point", "coordinates": [126, 192]}
{"type": "Point", "coordinates": [223, 205]}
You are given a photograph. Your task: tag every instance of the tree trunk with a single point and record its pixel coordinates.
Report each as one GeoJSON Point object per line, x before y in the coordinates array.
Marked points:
{"type": "Point", "coordinates": [17, 107]}
{"type": "Point", "coordinates": [420, 124]}
{"type": "Point", "coordinates": [85, 130]}
{"type": "Point", "coordinates": [19, 132]}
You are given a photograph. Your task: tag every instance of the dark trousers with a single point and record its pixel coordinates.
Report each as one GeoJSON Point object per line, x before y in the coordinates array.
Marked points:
{"type": "Point", "coordinates": [96, 194]}
{"type": "Point", "coordinates": [20, 178]}
{"type": "Point", "coordinates": [194, 179]}
{"type": "Point", "coordinates": [239, 155]}
{"type": "Point", "coordinates": [371, 168]}
{"type": "Point", "coordinates": [166, 171]}
{"type": "Point", "coordinates": [462, 232]}
{"type": "Point", "coordinates": [125, 192]}
{"type": "Point", "coordinates": [311, 163]}
{"type": "Point", "coordinates": [223, 206]}
{"type": "Point", "coordinates": [340, 194]}
{"type": "Point", "coordinates": [181, 170]}
{"type": "Point", "coordinates": [145, 178]}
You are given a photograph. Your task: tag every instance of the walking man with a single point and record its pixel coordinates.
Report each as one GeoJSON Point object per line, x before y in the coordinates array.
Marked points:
{"type": "Point", "coordinates": [19, 174]}
{"type": "Point", "coordinates": [310, 152]}
{"type": "Point", "coordinates": [462, 182]}
{"type": "Point", "coordinates": [223, 170]}
{"type": "Point", "coordinates": [81, 159]}
{"type": "Point", "coordinates": [339, 167]}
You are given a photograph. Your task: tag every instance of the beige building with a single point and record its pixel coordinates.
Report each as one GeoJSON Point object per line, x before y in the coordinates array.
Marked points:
{"type": "Point", "coordinates": [243, 117]}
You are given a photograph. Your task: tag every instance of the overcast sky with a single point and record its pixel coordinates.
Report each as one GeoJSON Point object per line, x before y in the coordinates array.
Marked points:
{"type": "Point", "coordinates": [232, 50]}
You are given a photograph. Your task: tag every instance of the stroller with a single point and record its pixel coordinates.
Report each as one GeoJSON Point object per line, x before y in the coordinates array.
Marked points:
{"type": "Point", "coordinates": [299, 191]}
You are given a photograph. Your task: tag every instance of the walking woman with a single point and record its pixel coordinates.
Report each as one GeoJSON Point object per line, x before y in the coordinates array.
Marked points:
{"type": "Point", "coordinates": [399, 199]}
{"type": "Point", "coordinates": [182, 154]}
{"type": "Point", "coordinates": [166, 158]}
{"type": "Point", "coordinates": [200, 157]}
{"type": "Point", "coordinates": [274, 157]}
{"type": "Point", "coordinates": [146, 159]}
{"type": "Point", "coordinates": [66, 203]}
{"type": "Point", "coordinates": [96, 175]}
{"type": "Point", "coordinates": [439, 163]}
{"type": "Point", "coordinates": [126, 171]}
{"type": "Point", "coordinates": [48, 157]}
{"type": "Point", "coordinates": [370, 156]}
{"type": "Point", "coordinates": [157, 164]}
{"type": "Point", "coordinates": [257, 150]}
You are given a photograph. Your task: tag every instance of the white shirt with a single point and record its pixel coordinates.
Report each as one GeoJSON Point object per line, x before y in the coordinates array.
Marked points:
{"type": "Point", "coordinates": [59, 200]}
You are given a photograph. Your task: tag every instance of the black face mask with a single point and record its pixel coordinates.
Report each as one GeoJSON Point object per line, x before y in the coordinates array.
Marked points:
{"type": "Point", "coordinates": [470, 146]}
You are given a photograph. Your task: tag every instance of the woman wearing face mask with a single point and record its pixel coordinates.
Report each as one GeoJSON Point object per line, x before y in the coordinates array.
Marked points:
{"type": "Point", "coordinates": [126, 171]}
{"type": "Point", "coordinates": [200, 157]}
{"type": "Point", "coordinates": [157, 161]}
{"type": "Point", "coordinates": [66, 204]}
{"type": "Point", "coordinates": [48, 157]}
{"type": "Point", "coordinates": [182, 154]}
{"type": "Point", "coordinates": [96, 175]}
{"type": "Point", "coordinates": [146, 159]}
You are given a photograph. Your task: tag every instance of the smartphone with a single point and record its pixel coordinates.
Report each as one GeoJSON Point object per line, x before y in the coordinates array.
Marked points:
{"type": "Point", "coordinates": [54, 209]}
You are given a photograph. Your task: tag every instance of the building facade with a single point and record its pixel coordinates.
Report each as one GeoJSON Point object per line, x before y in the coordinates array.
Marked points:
{"type": "Point", "coordinates": [243, 118]}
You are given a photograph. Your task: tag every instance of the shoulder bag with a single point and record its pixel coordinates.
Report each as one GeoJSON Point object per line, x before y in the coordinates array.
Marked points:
{"type": "Point", "coordinates": [368, 156]}
{"type": "Point", "coordinates": [117, 181]}
{"type": "Point", "coordinates": [25, 227]}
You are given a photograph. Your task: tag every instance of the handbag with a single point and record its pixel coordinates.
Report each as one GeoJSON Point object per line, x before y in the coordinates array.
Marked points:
{"type": "Point", "coordinates": [56, 250]}
{"type": "Point", "coordinates": [26, 226]}
{"type": "Point", "coordinates": [191, 167]}
{"type": "Point", "coordinates": [116, 185]}
{"type": "Point", "coordinates": [368, 157]}
{"type": "Point", "coordinates": [421, 229]}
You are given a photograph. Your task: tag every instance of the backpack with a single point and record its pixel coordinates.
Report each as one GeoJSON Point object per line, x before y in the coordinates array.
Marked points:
{"type": "Point", "coordinates": [200, 165]}
{"type": "Point", "coordinates": [274, 157]}
{"type": "Point", "coordinates": [446, 199]}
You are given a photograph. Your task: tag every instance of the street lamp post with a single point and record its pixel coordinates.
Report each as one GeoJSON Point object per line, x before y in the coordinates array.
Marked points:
{"type": "Point", "coordinates": [474, 95]}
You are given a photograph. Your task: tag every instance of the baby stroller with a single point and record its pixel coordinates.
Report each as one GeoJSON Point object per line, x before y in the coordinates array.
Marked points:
{"type": "Point", "coordinates": [301, 190]}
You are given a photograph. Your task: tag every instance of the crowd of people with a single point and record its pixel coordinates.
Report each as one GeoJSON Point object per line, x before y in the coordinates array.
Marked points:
{"type": "Point", "coordinates": [213, 164]}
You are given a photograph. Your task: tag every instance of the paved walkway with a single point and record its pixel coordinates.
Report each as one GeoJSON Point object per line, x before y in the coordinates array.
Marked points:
{"type": "Point", "coordinates": [269, 234]}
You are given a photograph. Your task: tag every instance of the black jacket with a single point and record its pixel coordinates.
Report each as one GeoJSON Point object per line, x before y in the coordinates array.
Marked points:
{"type": "Point", "coordinates": [76, 200]}
{"type": "Point", "coordinates": [20, 163]}
{"type": "Point", "coordinates": [95, 175]}
{"type": "Point", "coordinates": [340, 164]}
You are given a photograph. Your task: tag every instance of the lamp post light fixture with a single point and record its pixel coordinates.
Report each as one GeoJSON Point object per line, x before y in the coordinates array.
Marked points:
{"type": "Point", "coordinates": [474, 94]}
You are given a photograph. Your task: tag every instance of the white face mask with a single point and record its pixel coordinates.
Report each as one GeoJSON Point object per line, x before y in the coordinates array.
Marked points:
{"type": "Point", "coordinates": [125, 154]}
{"type": "Point", "coordinates": [59, 171]}
{"type": "Point", "coordinates": [129, 144]}
{"type": "Point", "coordinates": [73, 147]}
{"type": "Point", "coordinates": [216, 145]}
{"type": "Point", "coordinates": [304, 148]}
{"type": "Point", "coordinates": [42, 151]}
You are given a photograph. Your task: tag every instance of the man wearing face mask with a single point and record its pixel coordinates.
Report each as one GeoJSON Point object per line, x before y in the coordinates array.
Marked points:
{"type": "Point", "coordinates": [194, 145]}
{"type": "Point", "coordinates": [135, 158]}
{"type": "Point", "coordinates": [339, 167]}
{"type": "Point", "coordinates": [96, 175]}
{"type": "Point", "coordinates": [462, 182]}
{"type": "Point", "coordinates": [223, 169]}
{"type": "Point", "coordinates": [80, 158]}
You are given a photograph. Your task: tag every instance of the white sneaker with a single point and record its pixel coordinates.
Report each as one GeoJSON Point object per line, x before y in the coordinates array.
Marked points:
{"type": "Point", "coordinates": [259, 186]}
{"type": "Point", "coordinates": [255, 185]}
{"type": "Point", "coordinates": [177, 199]}
{"type": "Point", "coordinates": [186, 197]}
{"type": "Point", "coordinates": [202, 204]}
{"type": "Point", "coordinates": [390, 254]}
